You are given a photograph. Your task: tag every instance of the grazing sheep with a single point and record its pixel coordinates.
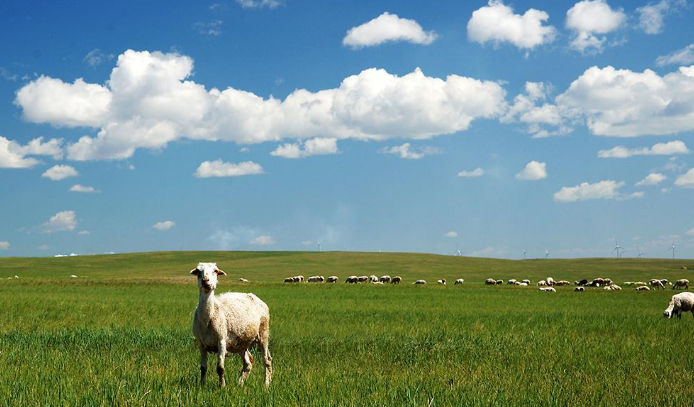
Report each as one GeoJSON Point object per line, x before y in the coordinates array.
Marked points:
{"type": "Point", "coordinates": [548, 289]}
{"type": "Point", "coordinates": [299, 279]}
{"type": "Point", "coordinates": [289, 280]}
{"type": "Point", "coordinates": [517, 283]}
{"type": "Point", "coordinates": [684, 283]}
{"type": "Point", "coordinates": [562, 283]}
{"type": "Point", "coordinates": [396, 280]}
{"type": "Point", "coordinates": [442, 281]}
{"type": "Point", "coordinates": [527, 282]}
{"type": "Point", "coordinates": [385, 279]}
{"type": "Point", "coordinates": [512, 281]}
{"type": "Point", "coordinates": [333, 279]}
{"type": "Point", "coordinates": [362, 279]}
{"type": "Point", "coordinates": [683, 268]}
{"type": "Point", "coordinates": [373, 279]}
{"type": "Point", "coordinates": [628, 283]}
{"type": "Point", "coordinates": [352, 280]}
{"type": "Point", "coordinates": [678, 303]}
{"type": "Point", "coordinates": [598, 282]}
{"type": "Point", "coordinates": [377, 282]}
{"type": "Point", "coordinates": [657, 284]}
{"type": "Point", "coordinates": [541, 283]}
{"type": "Point", "coordinates": [639, 283]}
{"type": "Point", "coordinates": [71, 276]}
{"type": "Point", "coordinates": [229, 323]}
{"type": "Point", "coordinates": [490, 281]}
{"type": "Point", "coordinates": [420, 282]}
{"type": "Point", "coordinates": [550, 281]}
{"type": "Point", "coordinates": [499, 282]}
{"type": "Point", "coordinates": [523, 284]}
{"type": "Point", "coordinates": [615, 287]}
{"type": "Point", "coordinates": [643, 288]}
{"type": "Point", "coordinates": [243, 280]}
{"type": "Point", "coordinates": [316, 279]}
{"type": "Point", "coordinates": [579, 289]}
{"type": "Point", "coordinates": [581, 283]}
{"type": "Point", "coordinates": [459, 281]}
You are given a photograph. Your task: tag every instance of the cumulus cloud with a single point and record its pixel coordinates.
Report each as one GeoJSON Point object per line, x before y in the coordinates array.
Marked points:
{"type": "Point", "coordinates": [623, 103]}
{"type": "Point", "coordinates": [4, 245]}
{"type": "Point", "coordinates": [260, 3]}
{"type": "Point", "coordinates": [60, 172]}
{"type": "Point", "coordinates": [652, 16]}
{"type": "Point", "coordinates": [218, 168]}
{"type": "Point", "coordinates": [97, 57]}
{"type": "Point", "coordinates": [164, 225]}
{"type": "Point", "coordinates": [61, 221]}
{"type": "Point", "coordinates": [477, 172]}
{"type": "Point", "coordinates": [531, 108]}
{"type": "Point", "coordinates": [671, 148]}
{"type": "Point", "coordinates": [12, 154]}
{"type": "Point", "coordinates": [150, 101]}
{"type": "Point", "coordinates": [651, 179]}
{"type": "Point", "coordinates": [686, 180]}
{"type": "Point", "coordinates": [684, 56]}
{"type": "Point", "coordinates": [315, 146]}
{"type": "Point", "coordinates": [262, 240]}
{"type": "Point", "coordinates": [82, 188]}
{"type": "Point", "coordinates": [601, 190]}
{"type": "Point", "coordinates": [588, 19]}
{"type": "Point", "coordinates": [408, 152]}
{"type": "Point", "coordinates": [451, 234]}
{"type": "Point", "coordinates": [497, 24]}
{"type": "Point", "coordinates": [387, 28]}
{"type": "Point", "coordinates": [533, 171]}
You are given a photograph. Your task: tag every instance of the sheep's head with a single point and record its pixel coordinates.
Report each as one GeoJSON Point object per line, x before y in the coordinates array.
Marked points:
{"type": "Point", "coordinates": [207, 276]}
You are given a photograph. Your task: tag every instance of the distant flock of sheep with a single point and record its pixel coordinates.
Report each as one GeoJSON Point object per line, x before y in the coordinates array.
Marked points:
{"type": "Point", "coordinates": [546, 285]}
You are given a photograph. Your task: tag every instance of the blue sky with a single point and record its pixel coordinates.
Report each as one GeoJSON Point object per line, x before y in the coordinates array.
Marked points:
{"type": "Point", "coordinates": [485, 127]}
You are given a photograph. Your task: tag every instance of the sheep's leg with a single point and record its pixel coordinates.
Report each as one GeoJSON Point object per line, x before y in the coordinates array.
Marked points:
{"type": "Point", "coordinates": [247, 360]}
{"type": "Point", "coordinates": [203, 364]}
{"type": "Point", "coordinates": [267, 359]}
{"type": "Point", "coordinates": [222, 350]}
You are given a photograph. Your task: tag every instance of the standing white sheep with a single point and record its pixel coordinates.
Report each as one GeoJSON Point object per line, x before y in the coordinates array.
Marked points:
{"type": "Point", "coordinates": [229, 323]}
{"type": "Point", "coordinates": [678, 303]}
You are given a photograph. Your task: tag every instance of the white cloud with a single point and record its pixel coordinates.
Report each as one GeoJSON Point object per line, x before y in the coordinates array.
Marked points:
{"type": "Point", "coordinates": [477, 172]}
{"type": "Point", "coordinates": [684, 56]}
{"type": "Point", "coordinates": [407, 152]}
{"type": "Point", "coordinates": [82, 188]}
{"type": "Point", "coordinates": [260, 3]}
{"type": "Point", "coordinates": [588, 18]}
{"type": "Point", "coordinates": [314, 146]}
{"type": "Point", "coordinates": [84, 233]}
{"type": "Point", "coordinates": [262, 240]}
{"type": "Point", "coordinates": [5, 74]}
{"type": "Point", "coordinates": [96, 57]}
{"type": "Point", "coordinates": [451, 234]}
{"type": "Point", "coordinates": [652, 16]}
{"type": "Point", "coordinates": [671, 148]}
{"type": "Point", "coordinates": [496, 23]}
{"type": "Point", "coordinates": [651, 179]}
{"type": "Point", "coordinates": [43, 247]}
{"type": "Point", "coordinates": [60, 172]}
{"type": "Point", "coordinates": [61, 221]}
{"type": "Point", "coordinates": [165, 225]}
{"type": "Point", "coordinates": [601, 190]}
{"type": "Point", "coordinates": [213, 27]}
{"type": "Point", "coordinates": [532, 109]}
{"type": "Point", "coordinates": [4, 245]}
{"type": "Point", "coordinates": [387, 28]}
{"type": "Point", "coordinates": [218, 168]}
{"type": "Point", "coordinates": [12, 154]}
{"type": "Point", "coordinates": [623, 103]}
{"type": "Point", "coordinates": [150, 101]}
{"type": "Point", "coordinates": [533, 171]}
{"type": "Point", "coordinates": [686, 180]}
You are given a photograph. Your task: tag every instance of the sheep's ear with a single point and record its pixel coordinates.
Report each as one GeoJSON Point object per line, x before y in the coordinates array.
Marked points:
{"type": "Point", "coordinates": [221, 272]}
{"type": "Point", "coordinates": [195, 271]}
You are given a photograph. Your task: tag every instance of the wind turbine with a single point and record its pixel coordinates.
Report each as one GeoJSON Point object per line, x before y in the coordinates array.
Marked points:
{"type": "Point", "coordinates": [640, 253]}
{"type": "Point", "coordinates": [319, 249]}
{"type": "Point", "coordinates": [673, 249]}
{"type": "Point", "coordinates": [458, 253]}
{"type": "Point", "coordinates": [618, 249]}
{"type": "Point", "coordinates": [546, 254]}
{"type": "Point", "coordinates": [525, 254]}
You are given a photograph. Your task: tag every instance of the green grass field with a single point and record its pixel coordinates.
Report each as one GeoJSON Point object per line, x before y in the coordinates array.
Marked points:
{"type": "Point", "coordinates": [120, 333]}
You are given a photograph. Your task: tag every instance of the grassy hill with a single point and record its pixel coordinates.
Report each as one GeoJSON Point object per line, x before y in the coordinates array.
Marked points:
{"type": "Point", "coordinates": [268, 267]}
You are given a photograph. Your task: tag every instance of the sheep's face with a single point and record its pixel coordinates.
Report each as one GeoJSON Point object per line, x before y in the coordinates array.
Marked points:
{"type": "Point", "coordinates": [207, 276]}
{"type": "Point", "coordinates": [668, 312]}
